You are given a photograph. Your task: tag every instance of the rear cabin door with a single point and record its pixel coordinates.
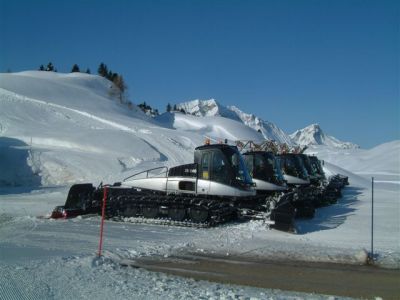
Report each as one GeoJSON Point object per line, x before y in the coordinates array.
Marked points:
{"type": "Point", "coordinates": [203, 183]}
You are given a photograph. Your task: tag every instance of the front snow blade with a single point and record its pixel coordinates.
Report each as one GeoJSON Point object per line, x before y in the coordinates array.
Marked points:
{"type": "Point", "coordinates": [283, 215]}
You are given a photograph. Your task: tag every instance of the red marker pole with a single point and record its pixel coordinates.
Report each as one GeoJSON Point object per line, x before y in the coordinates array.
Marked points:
{"type": "Point", "coordinates": [103, 210]}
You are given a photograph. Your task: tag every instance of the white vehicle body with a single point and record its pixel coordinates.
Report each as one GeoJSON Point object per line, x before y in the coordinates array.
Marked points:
{"type": "Point", "coordinates": [295, 180]}
{"type": "Point", "coordinates": [268, 186]}
{"type": "Point", "coordinates": [171, 185]}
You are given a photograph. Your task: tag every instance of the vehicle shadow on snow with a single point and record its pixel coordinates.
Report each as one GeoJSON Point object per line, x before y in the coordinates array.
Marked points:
{"type": "Point", "coordinates": [331, 216]}
{"type": "Point", "coordinates": [16, 174]}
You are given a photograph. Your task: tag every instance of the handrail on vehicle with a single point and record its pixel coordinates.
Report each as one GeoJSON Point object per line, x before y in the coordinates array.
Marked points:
{"type": "Point", "coordinates": [147, 172]}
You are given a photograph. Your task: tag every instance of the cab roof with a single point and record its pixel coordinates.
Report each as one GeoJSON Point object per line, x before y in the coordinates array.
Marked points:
{"type": "Point", "coordinates": [215, 146]}
{"type": "Point", "coordinates": [258, 152]}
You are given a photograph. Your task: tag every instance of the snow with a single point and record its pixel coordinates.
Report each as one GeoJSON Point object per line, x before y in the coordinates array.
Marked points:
{"type": "Point", "coordinates": [207, 108]}
{"type": "Point", "coordinates": [60, 129]}
{"type": "Point", "coordinates": [268, 129]}
{"type": "Point", "coordinates": [217, 128]}
{"type": "Point", "coordinates": [212, 108]}
{"type": "Point", "coordinates": [313, 135]}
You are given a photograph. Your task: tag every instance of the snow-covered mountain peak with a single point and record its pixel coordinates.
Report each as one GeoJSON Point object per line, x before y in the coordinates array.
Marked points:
{"type": "Point", "coordinates": [207, 108]}
{"type": "Point", "coordinates": [269, 130]}
{"type": "Point", "coordinates": [314, 127]}
{"type": "Point", "coordinates": [314, 135]}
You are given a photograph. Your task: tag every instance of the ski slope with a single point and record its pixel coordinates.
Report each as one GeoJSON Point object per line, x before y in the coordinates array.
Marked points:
{"type": "Point", "coordinates": [60, 129]}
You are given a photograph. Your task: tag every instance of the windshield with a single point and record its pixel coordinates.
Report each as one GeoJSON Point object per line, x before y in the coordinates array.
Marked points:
{"type": "Point", "coordinates": [302, 170]}
{"type": "Point", "coordinates": [277, 167]}
{"type": "Point", "coordinates": [307, 165]}
{"type": "Point", "coordinates": [316, 165]}
{"type": "Point", "coordinates": [293, 165]}
{"type": "Point", "coordinates": [264, 166]}
{"type": "Point", "coordinates": [240, 172]}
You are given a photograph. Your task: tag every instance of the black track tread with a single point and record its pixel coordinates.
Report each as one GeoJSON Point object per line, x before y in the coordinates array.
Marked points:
{"type": "Point", "coordinates": [119, 199]}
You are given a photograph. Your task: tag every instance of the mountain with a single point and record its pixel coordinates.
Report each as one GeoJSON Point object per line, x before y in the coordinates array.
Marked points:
{"type": "Point", "coordinates": [216, 128]}
{"type": "Point", "coordinates": [211, 108]}
{"type": "Point", "coordinates": [313, 135]}
{"type": "Point", "coordinates": [207, 108]}
{"type": "Point", "coordinates": [269, 130]}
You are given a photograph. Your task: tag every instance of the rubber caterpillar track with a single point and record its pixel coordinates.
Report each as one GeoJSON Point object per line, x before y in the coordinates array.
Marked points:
{"type": "Point", "coordinates": [178, 210]}
{"type": "Point", "coordinates": [163, 222]}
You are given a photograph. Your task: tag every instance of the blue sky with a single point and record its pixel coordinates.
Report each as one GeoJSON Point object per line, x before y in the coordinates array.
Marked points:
{"type": "Point", "coordinates": [294, 63]}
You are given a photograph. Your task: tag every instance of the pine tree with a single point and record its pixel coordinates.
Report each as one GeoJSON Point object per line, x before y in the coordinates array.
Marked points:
{"type": "Point", "coordinates": [168, 107]}
{"type": "Point", "coordinates": [109, 75]}
{"type": "Point", "coordinates": [50, 67]}
{"type": "Point", "coordinates": [102, 70]}
{"type": "Point", "coordinates": [41, 68]}
{"type": "Point", "coordinates": [175, 108]}
{"type": "Point", "coordinates": [75, 68]}
{"type": "Point", "coordinates": [120, 84]}
{"type": "Point", "coordinates": [88, 71]}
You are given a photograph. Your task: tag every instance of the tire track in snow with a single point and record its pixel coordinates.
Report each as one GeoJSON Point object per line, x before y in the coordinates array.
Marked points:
{"type": "Point", "coordinates": [16, 283]}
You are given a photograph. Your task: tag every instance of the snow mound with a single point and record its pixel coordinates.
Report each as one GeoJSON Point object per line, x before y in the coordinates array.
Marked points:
{"type": "Point", "coordinates": [217, 128]}
{"type": "Point", "coordinates": [313, 135]}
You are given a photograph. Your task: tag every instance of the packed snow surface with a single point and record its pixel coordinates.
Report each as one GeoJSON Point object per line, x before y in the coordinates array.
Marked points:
{"type": "Point", "coordinates": [60, 129]}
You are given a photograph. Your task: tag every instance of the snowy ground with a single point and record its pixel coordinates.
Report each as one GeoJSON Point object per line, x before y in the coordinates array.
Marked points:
{"type": "Point", "coordinates": [42, 258]}
{"type": "Point", "coordinates": [57, 129]}
{"type": "Point", "coordinates": [48, 259]}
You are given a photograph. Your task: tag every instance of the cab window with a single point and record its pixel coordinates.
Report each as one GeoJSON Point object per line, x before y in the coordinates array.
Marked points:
{"type": "Point", "coordinates": [220, 171]}
{"type": "Point", "coordinates": [205, 162]}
